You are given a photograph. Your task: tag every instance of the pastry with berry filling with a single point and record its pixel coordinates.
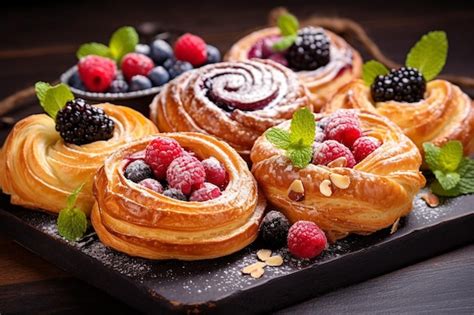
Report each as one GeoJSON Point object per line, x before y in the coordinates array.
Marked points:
{"type": "Point", "coordinates": [426, 109]}
{"type": "Point", "coordinates": [46, 157]}
{"type": "Point", "coordinates": [348, 172]}
{"type": "Point", "coordinates": [184, 196]}
{"type": "Point", "coordinates": [234, 101]}
{"type": "Point", "coordinates": [322, 60]}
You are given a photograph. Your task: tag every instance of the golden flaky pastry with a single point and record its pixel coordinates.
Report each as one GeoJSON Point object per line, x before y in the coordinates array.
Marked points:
{"type": "Point", "coordinates": [369, 197]}
{"type": "Point", "coordinates": [344, 66]}
{"type": "Point", "coordinates": [446, 113]}
{"type": "Point", "coordinates": [40, 171]}
{"type": "Point", "coordinates": [205, 100]}
{"type": "Point", "coordinates": [140, 222]}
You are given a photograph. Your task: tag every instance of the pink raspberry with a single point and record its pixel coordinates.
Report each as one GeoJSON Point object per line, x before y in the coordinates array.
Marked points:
{"type": "Point", "coordinates": [159, 154]}
{"type": "Point", "coordinates": [344, 127]}
{"type": "Point", "coordinates": [215, 172]}
{"type": "Point", "coordinates": [186, 173]}
{"type": "Point", "coordinates": [207, 192]}
{"type": "Point", "coordinates": [363, 146]}
{"type": "Point", "coordinates": [152, 184]}
{"type": "Point", "coordinates": [330, 150]}
{"type": "Point", "coordinates": [97, 73]}
{"type": "Point", "coordinates": [306, 239]}
{"type": "Point", "coordinates": [136, 64]}
{"type": "Point", "coordinates": [191, 48]}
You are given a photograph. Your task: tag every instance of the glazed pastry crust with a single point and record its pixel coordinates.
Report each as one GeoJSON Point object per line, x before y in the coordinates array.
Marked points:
{"type": "Point", "coordinates": [183, 105]}
{"type": "Point", "coordinates": [140, 222]}
{"type": "Point", "coordinates": [381, 189]}
{"type": "Point", "coordinates": [345, 64]}
{"type": "Point", "coordinates": [445, 114]}
{"type": "Point", "coordinates": [40, 171]}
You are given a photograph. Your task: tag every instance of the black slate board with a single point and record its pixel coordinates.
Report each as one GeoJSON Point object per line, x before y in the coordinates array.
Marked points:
{"type": "Point", "coordinates": [218, 285]}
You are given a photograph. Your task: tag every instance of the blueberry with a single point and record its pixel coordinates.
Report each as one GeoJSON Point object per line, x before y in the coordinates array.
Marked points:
{"type": "Point", "coordinates": [143, 49]}
{"type": "Point", "coordinates": [137, 171]}
{"type": "Point", "coordinates": [160, 51]}
{"type": "Point", "coordinates": [139, 82]}
{"type": "Point", "coordinates": [213, 54]}
{"type": "Point", "coordinates": [118, 86]}
{"type": "Point", "coordinates": [159, 76]}
{"type": "Point", "coordinates": [76, 82]}
{"type": "Point", "coordinates": [169, 63]}
{"type": "Point", "coordinates": [178, 68]}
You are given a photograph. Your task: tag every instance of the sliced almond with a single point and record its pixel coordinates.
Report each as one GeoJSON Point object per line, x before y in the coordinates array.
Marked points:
{"type": "Point", "coordinates": [339, 162]}
{"type": "Point", "coordinates": [325, 188]}
{"type": "Point", "coordinates": [264, 254]}
{"type": "Point", "coordinates": [251, 268]}
{"type": "Point", "coordinates": [296, 190]}
{"type": "Point", "coordinates": [274, 261]}
{"type": "Point", "coordinates": [340, 181]}
{"type": "Point", "coordinates": [430, 199]}
{"type": "Point", "coordinates": [395, 226]}
{"type": "Point", "coordinates": [257, 273]}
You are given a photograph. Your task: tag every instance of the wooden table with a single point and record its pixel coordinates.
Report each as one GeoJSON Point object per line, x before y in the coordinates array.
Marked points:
{"type": "Point", "coordinates": [29, 284]}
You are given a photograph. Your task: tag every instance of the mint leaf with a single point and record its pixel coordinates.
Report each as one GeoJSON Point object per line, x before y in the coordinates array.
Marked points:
{"type": "Point", "coordinates": [432, 153]}
{"type": "Point", "coordinates": [429, 54]}
{"type": "Point", "coordinates": [302, 129]}
{"type": "Point", "coordinates": [122, 42]}
{"type": "Point", "coordinates": [450, 156]}
{"type": "Point", "coordinates": [284, 43]}
{"type": "Point", "coordinates": [447, 180]}
{"type": "Point", "coordinates": [41, 88]}
{"type": "Point", "coordinates": [53, 98]}
{"type": "Point", "coordinates": [71, 200]}
{"type": "Point", "coordinates": [288, 24]}
{"type": "Point", "coordinates": [93, 49]}
{"type": "Point", "coordinates": [278, 137]}
{"type": "Point", "coordinates": [72, 223]}
{"type": "Point", "coordinates": [300, 156]}
{"type": "Point", "coordinates": [371, 70]}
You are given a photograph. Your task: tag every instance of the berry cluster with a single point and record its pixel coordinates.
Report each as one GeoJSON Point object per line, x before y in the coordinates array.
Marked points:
{"type": "Point", "coordinates": [165, 167]}
{"type": "Point", "coordinates": [402, 85]}
{"type": "Point", "coordinates": [340, 135]}
{"type": "Point", "coordinates": [149, 66]}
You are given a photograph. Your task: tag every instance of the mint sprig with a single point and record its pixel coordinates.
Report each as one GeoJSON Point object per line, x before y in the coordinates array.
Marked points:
{"type": "Point", "coordinates": [454, 173]}
{"type": "Point", "coordinates": [122, 42]}
{"type": "Point", "coordinates": [72, 222]}
{"type": "Point", "coordinates": [53, 98]}
{"type": "Point", "coordinates": [371, 70]}
{"type": "Point", "coordinates": [288, 25]}
{"type": "Point", "coordinates": [298, 141]}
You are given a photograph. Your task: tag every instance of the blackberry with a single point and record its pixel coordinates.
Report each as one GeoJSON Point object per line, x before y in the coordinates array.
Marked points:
{"type": "Point", "coordinates": [137, 171]}
{"type": "Point", "coordinates": [402, 85]}
{"type": "Point", "coordinates": [310, 49]}
{"type": "Point", "coordinates": [80, 123]}
{"type": "Point", "coordinates": [274, 229]}
{"type": "Point", "coordinates": [175, 194]}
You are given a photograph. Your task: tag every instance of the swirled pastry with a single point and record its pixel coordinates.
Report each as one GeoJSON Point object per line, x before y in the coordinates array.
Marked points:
{"type": "Point", "coordinates": [39, 170]}
{"type": "Point", "coordinates": [341, 200]}
{"type": "Point", "coordinates": [445, 113]}
{"type": "Point", "coordinates": [345, 63]}
{"type": "Point", "coordinates": [234, 101]}
{"type": "Point", "coordinates": [141, 222]}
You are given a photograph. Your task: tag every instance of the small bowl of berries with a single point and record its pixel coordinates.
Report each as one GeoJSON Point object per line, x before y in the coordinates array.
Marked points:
{"type": "Point", "coordinates": [130, 72]}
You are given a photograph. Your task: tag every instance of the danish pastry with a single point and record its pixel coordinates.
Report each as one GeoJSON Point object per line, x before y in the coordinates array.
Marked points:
{"type": "Point", "coordinates": [234, 101]}
{"type": "Point", "coordinates": [141, 220]}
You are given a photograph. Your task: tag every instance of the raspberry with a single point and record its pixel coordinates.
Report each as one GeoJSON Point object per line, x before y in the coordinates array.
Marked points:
{"type": "Point", "coordinates": [363, 147]}
{"type": "Point", "coordinates": [136, 64]}
{"type": "Point", "coordinates": [97, 73]}
{"type": "Point", "coordinates": [152, 184]}
{"type": "Point", "coordinates": [402, 85]}
{"type": "Point", "coordinates": [306, 239]}
{"type": "Point", "coordinates": [191, 48]}
{"type": "Point", "coordinates": [330, 150]}
{"type": "Point", "coordinates": [186, 173]}
{"type": "Point", "coordinates": [344, 127]}
{"type": "Point", "coordinates": [137, 171]}
{"type": "Point", "coordinates": [215, 172]}
{"type": "Point", "coordinates": [175, 194]}
{"type": "Point", "coordinates": [310, 49]}
{"type": "Point", "coordinates": [159, 153]}
{"type": "Point", "coordinates": [207, 192]}
{"type": "Point", "coordinates": [274, 229]}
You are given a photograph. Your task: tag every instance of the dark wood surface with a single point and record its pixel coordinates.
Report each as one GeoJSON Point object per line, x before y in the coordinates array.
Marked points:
{"type": "Point", "coordinates": [30, 285]}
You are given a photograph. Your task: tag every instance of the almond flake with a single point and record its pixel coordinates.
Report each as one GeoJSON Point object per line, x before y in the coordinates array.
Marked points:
{"type": "Point", "coordinates": [296, 190]}
{"type": "Point", "coordinates": [395, 226]}
{"type": "Point", "coordinates": [325, 188]}
{"type": "Point", "coordinates": [264, 254]}
{"type": "Point", "coordinates": [340, 181]}
{"type": "Point", "coordinates": [339, 162]}
{"type": "Point", "coordinates": [274, 261]}
{"type": "Point", "coordinates": [430, 199]}
{"type": "Point", "coordinates": [251, 268]}
{"type": "Point", "coordinates": [257, 273]}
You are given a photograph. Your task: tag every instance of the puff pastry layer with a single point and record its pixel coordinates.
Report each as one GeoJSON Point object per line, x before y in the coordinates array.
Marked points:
{"type": "Point", "coordinates": [381, 187]}
{"type": "Point", "coordinates": [141, 222]}
{"type": "Point", "coordinates": [40, 171]}
{"type": "Point", "coordinates": [197, 100]}
{"type": "Point", "coordinates": [344, 66]}
{"type": "Point", "coordinates": [445, 114]}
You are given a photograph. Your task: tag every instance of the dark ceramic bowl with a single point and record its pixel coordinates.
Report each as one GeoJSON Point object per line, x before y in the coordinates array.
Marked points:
{"type": "Point", "coordinates": [139, 100]}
